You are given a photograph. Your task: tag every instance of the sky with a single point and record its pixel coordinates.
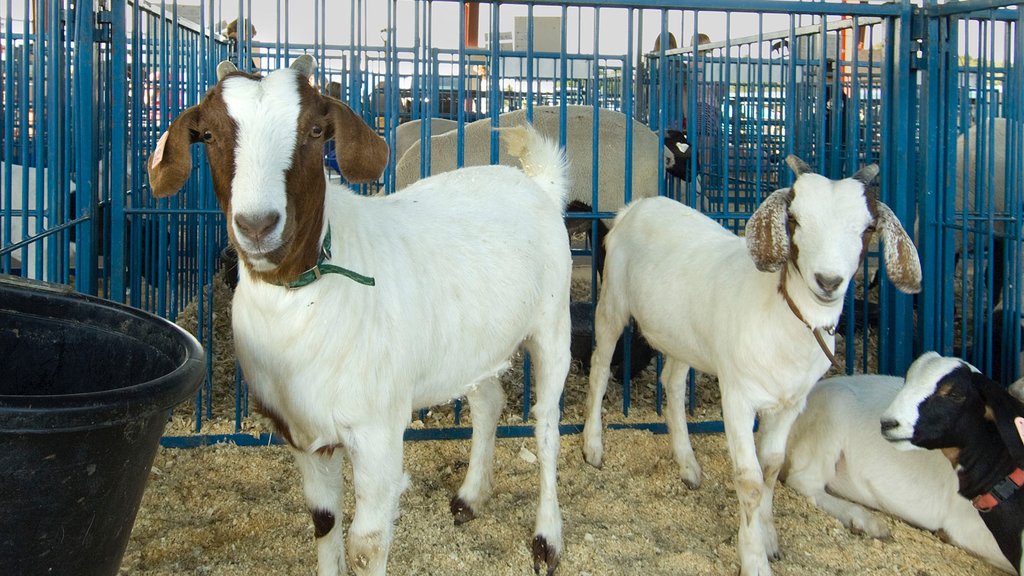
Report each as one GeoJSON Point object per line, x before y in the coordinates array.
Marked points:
{"type": "Point", "coordinates": [337, 16]}
{"type": "Point", "coordinates": [445, 18]}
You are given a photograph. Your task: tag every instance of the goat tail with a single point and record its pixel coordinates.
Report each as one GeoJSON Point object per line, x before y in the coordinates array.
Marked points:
{"type": "Point", "coordinates": [541, 159]}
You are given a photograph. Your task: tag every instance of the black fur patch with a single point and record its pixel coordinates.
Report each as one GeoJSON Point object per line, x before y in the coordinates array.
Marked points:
{"type": "Point", "coordinates": [323, 522]}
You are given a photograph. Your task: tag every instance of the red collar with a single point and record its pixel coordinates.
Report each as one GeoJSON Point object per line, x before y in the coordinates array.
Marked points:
{"type": "Point", "coordinates": [1000, 492]}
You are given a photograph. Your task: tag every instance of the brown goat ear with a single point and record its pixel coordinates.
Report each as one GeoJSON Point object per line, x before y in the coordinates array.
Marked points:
{"type": "Point", "coordinates": [901, 260]}
{"type": "Point", "coordinates": [798, 166]}
{"type": "Point", "coordinates": [362, 154]}
{"type": "Point", "coordinates": [1005, 411]}
{"type": "Point", "coordinates": [766, 233]}
{"type": "Point", "coordinates": [171, 162]}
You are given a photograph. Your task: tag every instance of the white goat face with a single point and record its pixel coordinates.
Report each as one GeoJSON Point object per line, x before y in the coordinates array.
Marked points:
{"type": "Point", "coordinates": [827, 222]}
{"type": "Point", "coordinates": [264, 141]}
{"type": "Point", "coordinates": [925, 409]}
{"type": "Point", "coordinates": [821, 227]}
{"type": "Point", "coordinates": [265, 113]}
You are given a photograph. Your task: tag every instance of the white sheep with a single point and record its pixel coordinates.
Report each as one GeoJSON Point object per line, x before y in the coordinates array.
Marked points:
{"type": "Point", "coordinates": [837, 458]}
{"type": "Point", "coordinates": [352, 311]}
{"type": "Point", "coordinates": [757, 312]}
{"type": "Point", "coordinates": [948, 406]}
{"type": "Point", "coordinates": [649, 160]}
{"type": "Point", "coordinates": [411, 132]}
{"type": "Point", "coordinates": [991, 157]}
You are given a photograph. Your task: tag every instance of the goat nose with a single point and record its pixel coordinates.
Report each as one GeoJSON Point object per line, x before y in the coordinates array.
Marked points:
{"type": "Point", "coordinates": [257, 226]}
{"type": "Point", "coordinates": [828, 283]}
{"type": "Point", "coordinates": [889, 425]}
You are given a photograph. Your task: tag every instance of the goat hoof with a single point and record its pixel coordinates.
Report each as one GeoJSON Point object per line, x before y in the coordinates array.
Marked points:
{"type": "Point", "coordinates": [461, 511]}
{"type": "Point", "coordinates": [691, 479]}
{"type": "Point", "coordinates": [594, 459]}
{"type": "Point", "coordinates": [541, 553]}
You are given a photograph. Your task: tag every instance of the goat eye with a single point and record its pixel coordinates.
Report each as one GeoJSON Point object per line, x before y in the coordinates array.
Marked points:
{"type": "Point", "coordinates": [207, 136]}
{"type": "Point", "coordinates": [316, 131]}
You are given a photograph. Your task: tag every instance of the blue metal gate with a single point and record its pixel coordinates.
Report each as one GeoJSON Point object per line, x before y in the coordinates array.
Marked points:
{"type": "Point", "coordinates": [89, 86]}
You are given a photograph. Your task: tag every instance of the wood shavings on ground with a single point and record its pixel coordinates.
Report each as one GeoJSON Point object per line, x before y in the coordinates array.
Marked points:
{"type": "Point", "coordinates": [225, 511]}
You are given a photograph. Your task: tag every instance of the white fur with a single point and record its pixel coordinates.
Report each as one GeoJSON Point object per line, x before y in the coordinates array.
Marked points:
{"type": "Point", "coordinates": [699, 299]}
{"type": "Point", "coordinates": [838, 459]}
{"type": "Point", "coordinates": [468, 265]}
{"type": "Point", "coordinates": [993, 154]}
{"type": "Point", "coordinates": [648, 160]}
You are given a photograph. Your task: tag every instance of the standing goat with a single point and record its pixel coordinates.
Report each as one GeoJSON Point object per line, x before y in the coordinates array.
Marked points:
{"type": "Point", "coordinates": [337, 360]}
{"type": "Point", "coordinates": [757, 312]}
{"type": "Point", "coordinates": [948, 405]}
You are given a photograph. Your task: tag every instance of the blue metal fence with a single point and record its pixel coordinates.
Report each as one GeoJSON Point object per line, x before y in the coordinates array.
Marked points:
{"type": "Point", "coordinates": [87, 93]}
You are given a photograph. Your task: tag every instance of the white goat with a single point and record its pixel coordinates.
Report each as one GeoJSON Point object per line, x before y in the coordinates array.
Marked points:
{"type": "Point", "coordinates": [837, 458]}
{"type": "Point", "coordinates": [460, 280]}
{"type": "Point", "coordinates": [710, 300]}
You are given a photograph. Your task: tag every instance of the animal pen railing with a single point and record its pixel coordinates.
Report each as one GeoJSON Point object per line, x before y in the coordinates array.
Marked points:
{"type": "Point", "coordinates": [89, 86]}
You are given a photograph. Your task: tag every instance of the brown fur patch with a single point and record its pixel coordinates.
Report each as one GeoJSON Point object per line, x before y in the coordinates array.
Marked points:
{"type": "Point", "coordinates": [767, 233]}
{"type": "Point", "coordinates": [951, 454]}
{"type": "Point", "coordinates": [989, 415]}
{"type": "Point", "coordinates": [280, 426]}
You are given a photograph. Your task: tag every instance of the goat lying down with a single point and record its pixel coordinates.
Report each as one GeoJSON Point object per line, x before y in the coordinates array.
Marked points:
{"type": "Point", "coordinates": [949, 406]}
{"type": "Point", "coordinates": [757, 312]}
{"type": "Point", "coordinates": [352, 311]}
{"type": "Point", "coordinates": [837, 458]}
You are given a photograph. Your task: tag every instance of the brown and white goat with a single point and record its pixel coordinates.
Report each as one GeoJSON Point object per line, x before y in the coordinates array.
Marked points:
{"type": "Point", "coordinates": [352, 311]}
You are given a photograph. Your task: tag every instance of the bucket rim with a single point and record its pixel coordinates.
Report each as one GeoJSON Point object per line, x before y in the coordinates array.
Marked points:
{"type": "Point", "coordinates": [37, 412]}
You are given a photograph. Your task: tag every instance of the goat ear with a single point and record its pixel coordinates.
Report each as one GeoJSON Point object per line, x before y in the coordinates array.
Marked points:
{"type": "Point", "coordinates": [866, 175]}
{"type": "Point", "coordinates": [798, 166]}
{"type": "Point", "coordinates": [171, 162]}
{"type": "Point", "coordinates": [901, 260]}
{"type": "Point", "coordinates": [305, 65]}
{"type": "Point", "coordinates": [362, 154]}
{"type": "Point", "coordinates": [766, 233]}
{"type": "Point", "coordinates": [1007, 414]}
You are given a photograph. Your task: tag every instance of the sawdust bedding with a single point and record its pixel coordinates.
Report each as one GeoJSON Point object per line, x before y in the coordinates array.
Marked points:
{"type": "Point", "coordinates": [226, 510]}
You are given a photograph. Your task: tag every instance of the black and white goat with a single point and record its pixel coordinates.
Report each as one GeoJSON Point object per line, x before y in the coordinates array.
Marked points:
{"type": "Point", "coordinates": [948, 405]}
{"type": "Point", "coordinates": [838, 459]}
{"type": "Point", "coordinates": [757, 312]}
{"type": "Point", "coordinates": [339, 361]}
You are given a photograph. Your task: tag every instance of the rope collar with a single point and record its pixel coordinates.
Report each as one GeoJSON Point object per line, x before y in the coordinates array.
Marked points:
{"type": "Point", "coordinates": [999, 493]}
{"type": "Point", "coordinates": [321, 268]}
{"type": "Point", "coordinates": [831, 330]}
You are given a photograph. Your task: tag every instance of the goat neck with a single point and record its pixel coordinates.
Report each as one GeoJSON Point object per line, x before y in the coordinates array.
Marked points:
{"type": "Point", "coordinates": [815, 330]}
{"type": "Point", "coordinates": [981, 463]}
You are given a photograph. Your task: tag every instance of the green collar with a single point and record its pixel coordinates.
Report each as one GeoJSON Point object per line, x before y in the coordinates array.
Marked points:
{"type": "Point", "coordinates": [314, 273]}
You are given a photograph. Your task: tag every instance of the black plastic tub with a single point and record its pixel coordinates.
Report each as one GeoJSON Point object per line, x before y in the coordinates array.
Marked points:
{"type": "Point", "coordinates": [86, 386]}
